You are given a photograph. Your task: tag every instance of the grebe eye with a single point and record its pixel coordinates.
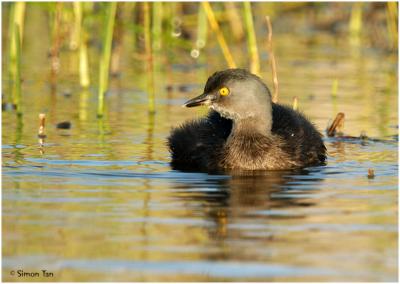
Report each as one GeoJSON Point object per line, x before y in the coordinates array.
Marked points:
{"type": "Point", "coordinates": [224, 91]}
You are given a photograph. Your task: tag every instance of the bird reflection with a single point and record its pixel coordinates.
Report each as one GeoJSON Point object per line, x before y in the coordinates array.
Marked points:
{"type": "Point", "coordinates": [239, 199]}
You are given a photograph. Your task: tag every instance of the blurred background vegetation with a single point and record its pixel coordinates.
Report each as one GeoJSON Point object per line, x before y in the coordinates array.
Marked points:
{"type": "Point", "coordinates": [89, 42]}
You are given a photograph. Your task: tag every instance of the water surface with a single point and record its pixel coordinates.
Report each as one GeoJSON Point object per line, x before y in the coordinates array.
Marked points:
{"type": "Point", "coordinates": [100, 201]}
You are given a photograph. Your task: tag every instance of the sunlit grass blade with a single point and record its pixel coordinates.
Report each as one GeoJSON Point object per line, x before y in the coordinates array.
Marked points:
{"type": "Point", "coordinates": [16, 90]}
{"type": "Point", "coordinates": [17, 15]}
{"type": "Point", "coordinates": [84, 77]}
{"type": "Point", "coordinates": [202, 28]}
{"type": "Point", "coordinates": [355, 23]}
{"type": "Point", "coordinates": [251, 39]}
{"type": "Point", "coordinates": [157, 25]}
{"type": "Point", "coordinates": [77, 25]}
{"type": "Point", "coordinates": [220, 37]}
{"type": "Point", "coordinates": [106, 55]}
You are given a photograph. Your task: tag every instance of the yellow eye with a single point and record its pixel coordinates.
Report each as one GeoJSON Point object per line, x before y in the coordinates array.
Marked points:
{"type": "Point", "coordinates": [224, 91]}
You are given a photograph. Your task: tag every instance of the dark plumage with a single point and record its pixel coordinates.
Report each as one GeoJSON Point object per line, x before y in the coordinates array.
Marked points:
{"type": "Point", "coordinates": [245, 130]}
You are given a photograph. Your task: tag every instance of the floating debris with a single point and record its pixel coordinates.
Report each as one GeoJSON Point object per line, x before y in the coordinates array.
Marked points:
{"type": "Point", "coordinates": [371, 173]}
{"type": "Point", "coordinates": [336, 126]}
{"type": "Point", "coordinates": [42, 119]}
{"type": "Point", "coordinates": [64, 125]}
{"type": "Point", "coordinates": [363, 135]}
{"type": "Point", "coordinates": [41, 135]}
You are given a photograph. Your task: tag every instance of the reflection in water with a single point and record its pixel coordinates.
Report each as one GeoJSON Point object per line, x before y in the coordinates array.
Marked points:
{"type": "Point", "coordinates": [237, 200]}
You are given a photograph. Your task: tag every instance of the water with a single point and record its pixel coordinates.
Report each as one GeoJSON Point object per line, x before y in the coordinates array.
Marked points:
{"type": "Point", "coordinates": [102, 203]}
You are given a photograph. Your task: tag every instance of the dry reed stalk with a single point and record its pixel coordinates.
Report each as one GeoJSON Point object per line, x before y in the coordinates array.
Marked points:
{"type": "Point", "coordinates": [220, 37]}
{"type": "Point", "coordinates": [392, 19]}
{"type": "Point", "coordinates": [273, 62]}
{"type": "Point", "coordinates": [336, 125]}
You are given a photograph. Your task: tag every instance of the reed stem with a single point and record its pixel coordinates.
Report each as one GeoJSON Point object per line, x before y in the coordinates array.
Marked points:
{"type": "Point", "coordinates": [251, 39]}
{"type": "Point", "coordinates": [275, 94]}
{"type": "Point", "coordinates": [84, 77]}
{"type": "Point", "coordinates": [335, 87]}
{"type": "Point", "coordinates": [202, 28]}
{"type": "Point", "coordinates": [19, 17]}
{"type": "Point", "coordinates": [56, 42]}
{"type": "Point", "coordinates": [157, 26]}
{"type": "Point", "coordinates": [105, 56]}
{"type": "Point", "coordinates": [355, 23]}
{"type": "Point", "coordinates": [17, 13]}
{"type": "Point", "coordinates": [391, 19]}
{"type": "Point", "coordinates": [83, 63]}
{"type": "Point", "coordinates": [76, 33]}
{"type": "Point", "coordinates": [149, 57]}
{"type": "Point", "coordinates": [234, 20]}
{"type": "Point", "coordinates": [16, 90]}
{"type": "Point", "coordinates": [220, 37]}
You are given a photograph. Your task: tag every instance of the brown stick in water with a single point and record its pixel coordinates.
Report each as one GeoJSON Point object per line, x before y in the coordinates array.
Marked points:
{"type": "Point", "coordinates": [338, 123]}
{"type": "Point", "coordinates": [371, 173]}
{"type": "Point", "coordinates": [42, 118]}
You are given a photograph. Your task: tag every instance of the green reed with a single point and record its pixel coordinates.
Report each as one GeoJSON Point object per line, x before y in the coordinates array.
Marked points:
{"type": "Point", "coordinates": [251, 39]}
{"type": "Point", "coordinates": [17, 15]}
{"type": "Point", "coordinates": [16, 90]}
{"type": "Point", "coordinates": [202, 28]}
{"type": "Point", "coordinates": [157, 26]}
{"type": "Point", "coordinates": [106, 55]}
{"type": "Point", "coordinates": [80, 40]}
{"type": "Point", "coordinates": [355, 23]}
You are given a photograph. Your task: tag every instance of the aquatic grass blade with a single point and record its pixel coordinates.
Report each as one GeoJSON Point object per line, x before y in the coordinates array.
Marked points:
{"type": "Point", "coordinates": [105, 56]}
{"type": "Point", "coordinates": [251, 39]}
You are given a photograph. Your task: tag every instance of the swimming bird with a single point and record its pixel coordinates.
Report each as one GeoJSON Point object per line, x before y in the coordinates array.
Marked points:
{"type": "Point", "coordinates": [244, 130]}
